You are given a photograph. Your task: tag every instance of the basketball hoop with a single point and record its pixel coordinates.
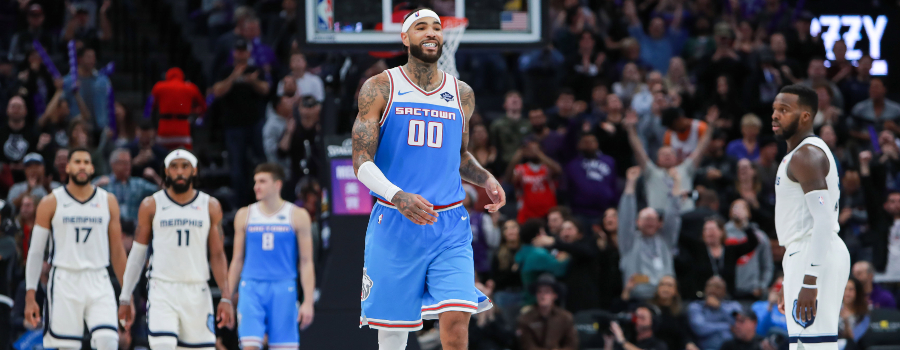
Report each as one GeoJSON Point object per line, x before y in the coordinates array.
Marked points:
{"type": "Point", "coordinates": [453, 28]}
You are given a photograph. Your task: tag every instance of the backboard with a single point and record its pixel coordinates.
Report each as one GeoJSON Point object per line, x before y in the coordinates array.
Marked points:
{"type": "Point", "coordinates": [374, 24]}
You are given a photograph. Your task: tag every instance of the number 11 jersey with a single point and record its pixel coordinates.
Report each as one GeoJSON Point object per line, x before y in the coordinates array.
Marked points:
{"type": "Point", "coordinates": [270, 245]}
{"type": "Point", "coordinates": [180, 233]}
{"type": "Point", "coordinates": [80, 240]}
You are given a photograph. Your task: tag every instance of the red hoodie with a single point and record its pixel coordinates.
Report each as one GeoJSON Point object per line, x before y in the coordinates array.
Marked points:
{"type": "Point", "coordinates": [175, 96]}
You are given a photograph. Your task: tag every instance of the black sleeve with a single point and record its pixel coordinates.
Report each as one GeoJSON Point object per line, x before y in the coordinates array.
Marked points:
{"type": "Point", "coordinates": [578, 250]}
{"type": "Point", "coordinates": [745, 248]}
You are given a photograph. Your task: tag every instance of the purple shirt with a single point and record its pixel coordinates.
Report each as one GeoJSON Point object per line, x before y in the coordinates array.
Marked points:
{"type": "Point", "coordinates": [881, 299]}
{"type": "Point", "coordinates": [737, 150]}
{"type": "Point", "coordinates": [592, 184]}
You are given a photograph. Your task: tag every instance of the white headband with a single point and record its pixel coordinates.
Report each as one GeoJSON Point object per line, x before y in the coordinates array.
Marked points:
{"type": "Point", "coordinates": [417, 16]}
{"type": "Point", "coordinates": [181, 154]}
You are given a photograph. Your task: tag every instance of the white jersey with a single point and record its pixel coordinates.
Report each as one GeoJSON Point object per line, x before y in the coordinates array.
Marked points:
{"type": "Point", "coordinates": [79, 237]}
{"type": "Point", "coordinates": [179, 243]}
{"type": "Point", "coordinates": [792, 218]}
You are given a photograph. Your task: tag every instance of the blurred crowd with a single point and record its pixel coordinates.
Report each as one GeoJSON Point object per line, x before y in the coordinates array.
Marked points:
{"type": "Point", "coordinates": [635, 148]}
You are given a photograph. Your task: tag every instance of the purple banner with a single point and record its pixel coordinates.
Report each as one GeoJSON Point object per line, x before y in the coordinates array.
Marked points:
{"type": "Point", "coordinates": [350, 196]}
{"type": "Point", "coordinates": [46, 59]}
{"type": "Point", "coordinates": [73, 61]}
{"type": "Point", "coordinates": [148, 107]}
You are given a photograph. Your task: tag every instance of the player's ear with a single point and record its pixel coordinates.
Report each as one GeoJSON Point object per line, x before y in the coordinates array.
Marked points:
{"type": "Point", "coordinates": [404, 38]}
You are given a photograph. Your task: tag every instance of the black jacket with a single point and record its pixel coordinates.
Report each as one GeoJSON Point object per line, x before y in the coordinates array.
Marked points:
{"type": "Point", "coordinates": [702, 264]}
{"type": "Point", "coordinates": [880, 221]}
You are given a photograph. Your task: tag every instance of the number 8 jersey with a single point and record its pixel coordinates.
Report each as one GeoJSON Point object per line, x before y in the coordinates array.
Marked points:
{"type": "Point", "coordinates": [80, 239]}
{"type": "Point", "coordinates": [270, 245]}
{"type": "Point", "coordinates": [180, 233]}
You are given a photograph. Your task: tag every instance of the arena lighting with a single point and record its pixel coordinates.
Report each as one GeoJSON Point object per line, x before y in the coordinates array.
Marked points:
{"type": "Point", "coordinates": [853, 29]}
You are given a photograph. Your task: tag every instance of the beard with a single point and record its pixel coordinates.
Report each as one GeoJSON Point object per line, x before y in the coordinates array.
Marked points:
{"type": "Point", "coordinates": [788, 130]}
{"type": "Point", "coordinates": [74, 179]}
{"type": "Point", "coordinates": [417, 52]}
{"type": "Point", "coordinates": [177, 187]}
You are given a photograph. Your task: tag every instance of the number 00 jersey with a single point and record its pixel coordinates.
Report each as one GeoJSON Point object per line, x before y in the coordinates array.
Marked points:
{"type": "Point", "coordinates": [270, 245]}
{"type": "Point", "coordinates": [421, 135]}
{"type": "Point", "coordinates": [80, 237]}
{"type": "Point", "coordinates": [180, 239]}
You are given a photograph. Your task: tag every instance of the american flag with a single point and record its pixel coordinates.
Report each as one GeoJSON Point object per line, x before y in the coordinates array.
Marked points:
{"type": "Point", "coordinates": [514, 20]}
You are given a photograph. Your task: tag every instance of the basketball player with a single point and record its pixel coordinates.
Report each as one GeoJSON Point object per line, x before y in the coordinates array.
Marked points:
{"type": "Point", "coordinates": [410, 149]}
{"type": "Point", "coordinates": [181, 223]}
{"type": "Point", "coordinates": [267, 238]}
{"type": "Point", "coordinates": [86, 235]}
{"type": "Point", "coordinates": [816, 262]}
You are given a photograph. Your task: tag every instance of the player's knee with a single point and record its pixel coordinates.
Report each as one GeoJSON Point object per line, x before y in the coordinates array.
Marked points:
{"type": "Point", "coordinates": [454, 329]}
{"type": "Point", "coordinates": [105, 339]}
{"type": "Point", "coordinates": [392, 340]}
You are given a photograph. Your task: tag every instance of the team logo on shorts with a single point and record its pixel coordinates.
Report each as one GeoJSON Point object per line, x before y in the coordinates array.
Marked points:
{"type": "Point", "coordinates": [380, 216]}
{"type": "Point", "coordinates": [211, 323]}
{"type": "Point", "coordinates": [797, 319]}
{"type": "Point", "coordinates": [366, 286]}
{"type": "Point", "coordinates": [447, 96]}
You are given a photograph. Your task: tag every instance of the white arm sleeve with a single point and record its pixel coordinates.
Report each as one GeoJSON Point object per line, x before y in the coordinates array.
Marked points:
{"type": "Point", "coordinates": [374, 179]}
{"type": "Point", "coordinates": [822, 210]}
{"type": "Point", "coordinates": [133, 270]}
{"type": "Point", "coordinates": [35, 262]}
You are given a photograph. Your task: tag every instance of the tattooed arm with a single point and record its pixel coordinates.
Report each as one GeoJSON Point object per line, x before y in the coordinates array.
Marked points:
{"type": "Point", "coordinates": [469, 169]}
{"type": "Point", "coordinates": [373, 98]}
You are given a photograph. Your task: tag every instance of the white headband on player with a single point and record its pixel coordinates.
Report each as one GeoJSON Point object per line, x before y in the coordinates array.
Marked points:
{"type": "Point", "coordinates": [417, 16]}
{"type": "Point", "coordinates": [181, 154]}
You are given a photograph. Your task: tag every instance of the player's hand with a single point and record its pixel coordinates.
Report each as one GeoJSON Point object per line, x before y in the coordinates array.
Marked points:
{"type": "Point", "coordinates": [225, 315]}
{"type": "Point", "coordinates": [126, 315]}
{"type": "Point", "coordinates": [32, 310]}
{"type": "Point", "coordinates": [806, 304]}
{"type": "Point", "coordinates": [415, 208]}
{"type": "Point", "coordinates": [496, 194]}
{"type": "Point", "coordinates": [306, 314]}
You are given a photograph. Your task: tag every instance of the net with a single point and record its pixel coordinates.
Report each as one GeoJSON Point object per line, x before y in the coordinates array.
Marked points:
{"type": "Point", "coordinates": [453, 28]}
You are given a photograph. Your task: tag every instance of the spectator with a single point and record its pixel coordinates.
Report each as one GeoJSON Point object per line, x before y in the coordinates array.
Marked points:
{"type": "Point", "coordinates": [646, 240]}
{"type": "Point", "coordinates": [748, 186]}
{"type": "Point", "coordinates": [282, 27]}
{"type": "Point", "coordinates": [744, 332]}
{"type": "Point", "coordinates": [18, 313]}
{"type": "Point", "coordinates": [840, 67]}
{"type": "Point", "coordinates": [591, 178]}
{"type": "Point", "coordinates": [546, 325]}
{"type": "Point", "coordinates": [17, 139]}
{"type": "Point", "coordinates": [879, 298]}
{"type": "Point", "coordinates": [612, 136]}
{"type": "Point", "coordinates": [22, 41]}
{"type": "Point", "coordinates": [630, 85]}
{"type": "Point", "coordinates": [129, 190]}
{"type": "Point", "coordinates": [508, 131]}
{"type": "Point", "coordinates": [176, 100]}
{"type": "Point", "coordinates": [724, 61]}
{"type": "Point", "coordinates": [883, 222]}
{"type": "Point", "coordinates": [671, 322]}
{"type": "Point", "coordinates": [504, 269]}
{"type": "Point", "coordinates": [37, 85]}
{"type": "Point", "coordinates": [717, 171]}
{"type": "Point", "coordinates": [145, 153]}
{"type": "Point", "coordinates": [585, 65]}
{"type": "Point", "coordinates": [644, 102]}
{"type": "Point", "coordinates": [754, 270]}
{"type": "Point", "coordinates": [767, 164]}
{"type": "Point", "coordinates": [818, 75]}
{"type": "Point", "coordinates": [692, 222]}
{"type": "Point", "coordinates": [60, 159]}
{"type": "Point", "coordinates": [771, 319]}
{"type": "Point", "coordinates": [93, 88]}
{"type": "Point", "coordinates": [126, 127]}
{"type": "Point", "coordinates": [9, 85]}
{"type": "Point", "coordinates": [854, 312]}
{"type": "Point", "coordinates": [534, 259]}
{"type": "Point", "coordinates": [564, 112]}
{"type": "Point", "coordinates": [485, 153]}
{"type": "Point", "coordinates": [54, 123]}
{"type": "Point", "coordinates": [553, 144]}
{"type": "Point", "coordinates": [555, 219]}
{"type": "Point", "coordinates": [678, 81]}
{"type": "Point", "coordinates": [712, 317]}
{"type": "Point", "coordinates": [279, 130]}
{"type": "Point", "coordinates": [533, 173]}
{"type": "Point", "coordinates": [305, 141]}
{"type": "Point", "coordinates": [485, 233]}
{"type": "Point", "coordinates": [9, 258]}
{"type": "Point", "coordinates": [25, 221]}
{"type": "Point", "coordinates": [607, 239]}
{"type": "Point", "coordinates": [240, 93]}
{"type": "Point", "coordinates": [802, 45]}
{"type": "Point", "coordinates": [489, 330]}
{"type": "Point", "coordinates": [224, 44]}
{"type": "Point", "coordinates": [876, 111]}
{"type": "Point", "coordinates": [728, 102]}
{"type": "Point", "coordinates": [645, 319]}
{"type": "Point", "coordinates": [81, 26]}
{"type": "Point", "coordinates": [584, 260]}
{"type": "Point", "coordinates": [79, 137]}
{"type": "Point", "coordinates": [308, 84]}
{"type": "Point", "coordinates": [683, 134]}
{"type": "Point", "coordinates": [658, 180]}
{"type": "Point", "coordinates": [786, 64]}
{"type": "Point", "coordinates": [856, 87]}
{"type": "Point", "coordinates": [658, 45]}
{"type": "Point", "coordinates": [36, 182]}
{"type": "Point", "coordinates": [712, 257]}
{"type": "Point", "coordinates": [826, 113]}
{"type": "Point", "coordinates": [748, 145]}
{"type": "Point", "coordinates": [852, 216]}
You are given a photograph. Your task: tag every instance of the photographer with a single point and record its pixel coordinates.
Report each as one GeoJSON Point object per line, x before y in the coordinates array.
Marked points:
{"type": "Point", "coordinates": [644, 339]}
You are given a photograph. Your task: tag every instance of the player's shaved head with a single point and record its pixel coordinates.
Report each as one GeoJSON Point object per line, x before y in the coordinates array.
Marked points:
{"type": "Point", "coordinates": [807, 98]}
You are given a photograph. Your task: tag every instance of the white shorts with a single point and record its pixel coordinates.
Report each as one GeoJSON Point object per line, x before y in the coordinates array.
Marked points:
{"type": "Point", "coordinates": [76, 298]}
{"type": "Point", "coordinates": [821, 333]}
{"type": "Point", "coordinates": [180, 315]}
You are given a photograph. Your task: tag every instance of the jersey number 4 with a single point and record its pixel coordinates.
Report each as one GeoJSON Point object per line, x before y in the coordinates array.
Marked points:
{"type": "Point", "coordinates": [420, 135]}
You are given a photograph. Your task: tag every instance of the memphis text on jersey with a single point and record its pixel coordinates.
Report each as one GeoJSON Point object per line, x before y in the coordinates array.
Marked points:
{"type": "Point", "coordinates": [180, 223]}
{"type": "Point", "coordinates": [82, 220]}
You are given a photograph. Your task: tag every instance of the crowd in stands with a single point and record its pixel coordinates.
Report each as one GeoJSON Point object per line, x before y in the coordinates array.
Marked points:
{"type": "Point", "coordinates": [635, 149]}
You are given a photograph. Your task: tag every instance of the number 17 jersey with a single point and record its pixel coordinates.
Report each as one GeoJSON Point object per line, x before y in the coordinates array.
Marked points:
{"type": "Point", "coordinates": [270, 245]}
{"type": "Point", "coordinates": [180, 234]}
{"type": "Point", "coordinates": [80, 237]}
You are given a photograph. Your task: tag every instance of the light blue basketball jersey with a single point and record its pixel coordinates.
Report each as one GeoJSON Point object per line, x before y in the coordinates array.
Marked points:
{"type": "Point", "coordinates": [421, 136]}
{"type": "Point", "coordinates": [270, 245]}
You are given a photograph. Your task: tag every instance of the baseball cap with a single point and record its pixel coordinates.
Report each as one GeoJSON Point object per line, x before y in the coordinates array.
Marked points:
{"type": "Point", "coordinates": [309, 101]}
{"type": "Point", "coordinates": [746, 313]}
{"type": "Point", "coordinates": [33, 158]}
{"type": "Point", "coordinates": [240, 44]}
